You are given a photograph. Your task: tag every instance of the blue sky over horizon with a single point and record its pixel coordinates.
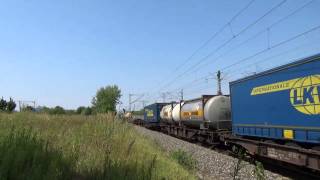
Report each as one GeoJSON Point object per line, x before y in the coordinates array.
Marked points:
{"type": "Point", "coordinates": [60, 52]}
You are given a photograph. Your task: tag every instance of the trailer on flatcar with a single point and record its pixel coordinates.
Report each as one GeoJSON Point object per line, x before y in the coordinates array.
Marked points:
{"type": "Point", "coordinates": [276, 113]}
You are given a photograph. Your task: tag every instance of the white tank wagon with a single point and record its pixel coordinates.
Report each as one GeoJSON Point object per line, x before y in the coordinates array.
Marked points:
{"type": "Point", "coordinates": [176, 112]}
{"type": "Point", "coordinates": [209, 111]}
{"type": "Point", "coordinates": [166, 113]}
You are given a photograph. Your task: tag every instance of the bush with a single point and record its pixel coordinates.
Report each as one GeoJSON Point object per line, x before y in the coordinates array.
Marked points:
{"type": "Point", "coordinates": [185, 159]}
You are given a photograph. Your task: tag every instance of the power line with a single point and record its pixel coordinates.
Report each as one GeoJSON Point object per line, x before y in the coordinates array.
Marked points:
{"type": "Point", "coordinates": [228, 41]}
{"type": "Point", "coordinates": [259, 33]}
{"type": "Point", "coordinates": [272, 47]}
{"type": "Point", "coordinates": [214, 35]}
{"type": "Point", "coordinates": [253, 37]}
{"type": "Point", "coordinates": [270, 57]}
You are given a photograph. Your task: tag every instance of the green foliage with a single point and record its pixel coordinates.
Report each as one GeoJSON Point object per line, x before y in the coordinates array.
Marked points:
{"type": "Point", "coordinates": [239, 164]}
{"type": "Point", "coordinates": [28, 109]}
{"type": "Point", "coordinates": [11, 105]}
{"type": "Point", "coordinates": [259, 171]}
{"type": "Point", "coordinates": [140, 112]}
{"type": "Point", "coordinates": [57, 110]}
{"type": "Point", "coordinates": [80, 109]}
{"type": "Point", "coordinates": [185, 159]}
{"type": "Point", "coordinates": [87, 111]}
{"type": "Point", "coordinates": [3, 104]}
{"type": "Point", "coordinates": [106, 99]}
{"type": "Point", "coordinates": [25, 156]}
{"type": "Point", "coordinates": [44, 109]}
{"type": "Point", "coordinates": [92, 147]}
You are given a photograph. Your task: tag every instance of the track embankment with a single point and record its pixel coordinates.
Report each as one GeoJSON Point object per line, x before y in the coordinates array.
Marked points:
{"type": "Point", "coordinates": [210, 163]}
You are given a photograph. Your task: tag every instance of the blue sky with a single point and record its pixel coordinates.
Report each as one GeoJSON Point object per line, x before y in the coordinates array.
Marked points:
{"type": "Point", "coordinates": [60, 52]}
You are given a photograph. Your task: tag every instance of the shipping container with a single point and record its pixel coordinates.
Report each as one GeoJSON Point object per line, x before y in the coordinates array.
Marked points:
{"type": "Point", "coordinates": [281, 103]}
{"type": "Point", "coordinates": [152, 113]}
{"type": "Point", "coordinates": [209, 111]}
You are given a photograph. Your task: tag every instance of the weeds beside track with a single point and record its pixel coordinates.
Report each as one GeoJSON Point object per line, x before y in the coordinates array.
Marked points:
{"type": "Point", "coordinates": [79, 147]}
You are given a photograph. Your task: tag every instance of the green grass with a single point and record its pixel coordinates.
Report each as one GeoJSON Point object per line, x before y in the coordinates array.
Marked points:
{"type": "Point", "coordinates": [185, 159]}
{"type": "Point", "coordinates": [39, 146]}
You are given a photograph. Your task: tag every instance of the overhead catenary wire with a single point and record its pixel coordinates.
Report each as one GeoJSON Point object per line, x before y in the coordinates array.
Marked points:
{"type": "Point", "coordinates": [226, 42]}
{"type": "Point", "coordinates": [259, 33]}
{"type": "Point", "coordinates": [205, 43]}
{"type": "Point", "coordinates": [228, 24]}
{"type": "Point", "coordinates": [271, 47]}
{"type": "Point", "coordinates": [188, 86]}
{"type": "Point", "coordinates": [253, 37]}
{"type": "Point", "coordinates": [269, 58]}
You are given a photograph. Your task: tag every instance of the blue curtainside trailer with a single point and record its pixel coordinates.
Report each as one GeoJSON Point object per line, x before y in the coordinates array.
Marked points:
{"type": "Point", "coordinates": [152, 114]}
{"type": "Point", "coordinates": [281, 103]}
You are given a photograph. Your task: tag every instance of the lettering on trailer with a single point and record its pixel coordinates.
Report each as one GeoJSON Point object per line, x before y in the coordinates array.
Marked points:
{"type": "Point", "coordinates": [304, 93]}
{"type": "Point", "coordinates": [149, 112]}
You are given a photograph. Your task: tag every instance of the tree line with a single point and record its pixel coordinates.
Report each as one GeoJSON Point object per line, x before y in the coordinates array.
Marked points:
{"type": "Point", "coordinates": [7, 106]}
{"type": "Point", "coordinates": [104, 101]}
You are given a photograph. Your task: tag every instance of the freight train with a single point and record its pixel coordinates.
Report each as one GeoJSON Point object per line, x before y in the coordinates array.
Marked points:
{"type": "Point", "coordinates": [274, 114]}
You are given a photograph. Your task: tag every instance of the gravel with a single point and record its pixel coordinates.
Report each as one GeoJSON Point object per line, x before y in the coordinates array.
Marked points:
{"type": "Point", "coordinates": [210, 164]}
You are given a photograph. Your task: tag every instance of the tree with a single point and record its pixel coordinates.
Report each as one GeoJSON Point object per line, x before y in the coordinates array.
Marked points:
{"type": "Point", "coordinates": [87, 111]}
{"type": "Point", "coordinates": [11, 105]}
{"type": "Point", "coordinates": [106, 99]}
{"type": "Point", "coordinates": [28, 109]}
{"type": "Point", "coordinates": [57, 110]}
{"type": "Point", "coordinates": [3, 104]}
{"type": "Point", "coordinates": [80, 109]}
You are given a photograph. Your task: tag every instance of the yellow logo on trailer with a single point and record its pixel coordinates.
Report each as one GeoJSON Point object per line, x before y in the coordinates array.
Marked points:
{"type": "Point", "coordinates": [304, 93]}
{"type": "Point", "coordinates": [149, 113]}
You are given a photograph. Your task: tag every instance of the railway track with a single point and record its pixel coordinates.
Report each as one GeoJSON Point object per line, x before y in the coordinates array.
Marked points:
{"type": "Point", "coordinates": [282, 168]}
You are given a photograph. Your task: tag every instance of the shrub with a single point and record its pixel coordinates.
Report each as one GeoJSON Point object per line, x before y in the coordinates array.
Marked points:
{"type": "Point", "coordinates": [185, 159]}
{"type": "Point", "coordinates": [259, 171]}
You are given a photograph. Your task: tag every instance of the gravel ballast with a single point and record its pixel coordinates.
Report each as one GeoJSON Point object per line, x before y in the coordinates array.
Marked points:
{"type": "Point", "coordinates": [210, 164]}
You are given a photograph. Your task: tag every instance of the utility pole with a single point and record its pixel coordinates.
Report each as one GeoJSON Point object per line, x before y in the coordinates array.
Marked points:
{"type": "Point", "coordinates": [219, 79]}
{"type": "Point", "coordinates": [139, 96]}
{"type": "Point", "coordinates": [164, 95]}
{"type": "Point", "coordinates": [181, 94]}
{"type": "Point", "coordinates": [130, 95]}
{"type": "Point", "coordinates": [23, 104]}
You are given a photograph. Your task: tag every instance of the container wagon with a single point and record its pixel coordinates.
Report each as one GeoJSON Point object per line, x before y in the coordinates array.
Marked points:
{"type": "Point", "coordinates": [152, 115]}
{"type": "Point", "coordinates": [282, 103]}
{"type": "Point", "coordinates": [276, 114]}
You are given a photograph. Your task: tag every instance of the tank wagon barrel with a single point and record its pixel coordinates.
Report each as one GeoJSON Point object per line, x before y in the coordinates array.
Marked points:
{"type": "Point", "coordinates": [207, 112]}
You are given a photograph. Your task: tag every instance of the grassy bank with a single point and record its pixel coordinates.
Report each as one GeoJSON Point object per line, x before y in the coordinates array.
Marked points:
{"type": "Point", "coordinates": [77, 147]}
